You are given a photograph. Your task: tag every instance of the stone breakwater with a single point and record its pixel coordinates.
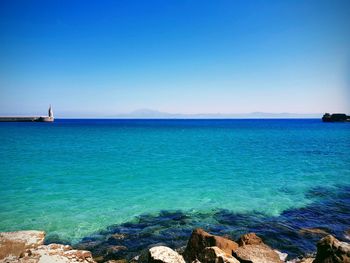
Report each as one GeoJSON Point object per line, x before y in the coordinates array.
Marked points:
{"type": "Point", "coordinates": [202, 247]}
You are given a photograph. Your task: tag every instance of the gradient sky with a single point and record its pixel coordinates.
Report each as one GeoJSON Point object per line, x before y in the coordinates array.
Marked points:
{"type": "Point", "coordinates": [97, 58]}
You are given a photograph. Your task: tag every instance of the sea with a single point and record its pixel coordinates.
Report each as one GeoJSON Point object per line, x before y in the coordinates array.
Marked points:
{"type": "Point", "coordinates": [87, 182]}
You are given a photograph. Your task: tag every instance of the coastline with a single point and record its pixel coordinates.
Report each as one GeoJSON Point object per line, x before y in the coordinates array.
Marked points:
{"type": "Point", "coordinates": [202, 247]}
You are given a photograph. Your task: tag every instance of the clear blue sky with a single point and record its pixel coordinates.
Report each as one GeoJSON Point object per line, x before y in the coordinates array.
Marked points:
{"type": "Point", "coordinates": [98, 58]}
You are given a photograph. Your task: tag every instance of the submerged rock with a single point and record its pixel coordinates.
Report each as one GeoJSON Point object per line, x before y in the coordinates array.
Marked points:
{"type": "Point", "coordinates": [26, 247]}
{"type": "Point", "coordinates": [118, 236]}
{"type": "Point", "coordinates": [313, 231]}
{"type": "Point", "coordinates": [111, 250]}
{"type": "Point", "coordinates": [331, 250]}
{"type": "Point", "coordinates": [200, 240]}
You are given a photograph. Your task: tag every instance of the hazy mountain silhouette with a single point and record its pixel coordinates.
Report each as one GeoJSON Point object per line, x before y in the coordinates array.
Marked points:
{"type": "Point", "coordinates": [149, 113]}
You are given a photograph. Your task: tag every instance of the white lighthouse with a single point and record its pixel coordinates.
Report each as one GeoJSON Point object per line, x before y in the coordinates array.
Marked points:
{"type": "Point", "coordinates": [48, 118]}
{"type": "Point", "coordinates": [50, 112]}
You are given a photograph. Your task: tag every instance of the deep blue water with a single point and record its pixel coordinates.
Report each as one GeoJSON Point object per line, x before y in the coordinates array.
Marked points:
{"type": "Point", "coordinates": [87, 179]}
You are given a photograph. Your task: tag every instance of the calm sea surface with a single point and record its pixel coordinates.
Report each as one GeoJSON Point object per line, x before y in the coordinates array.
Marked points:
{"type": "Point", "coordinates": [74, 178]}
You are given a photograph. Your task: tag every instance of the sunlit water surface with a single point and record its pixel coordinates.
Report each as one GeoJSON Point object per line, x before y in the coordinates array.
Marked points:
{"type": "Point", "coordinates": [73, 178]}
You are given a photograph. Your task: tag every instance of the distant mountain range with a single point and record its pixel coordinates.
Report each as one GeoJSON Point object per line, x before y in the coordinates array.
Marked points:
{"type": "Point", "coordinates": [154, 114]}
{"type": "Point", "coordinates": [149, 113]}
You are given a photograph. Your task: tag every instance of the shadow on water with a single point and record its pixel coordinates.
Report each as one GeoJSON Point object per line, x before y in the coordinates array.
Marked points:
{"type": "Point", "coordinates": [329, 211]}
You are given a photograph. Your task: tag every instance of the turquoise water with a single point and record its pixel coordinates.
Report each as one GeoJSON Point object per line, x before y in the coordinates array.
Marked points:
{"type": "Point", "coordinates": [73, 178]}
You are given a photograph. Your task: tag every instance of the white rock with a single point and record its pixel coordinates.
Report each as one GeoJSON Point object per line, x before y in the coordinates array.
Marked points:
{"type": "Point", "coordinates": [31, 238]}
{"type": "Point", "coordinates": [283, 256]}
{"type": "Point", "coordinates": [27, 247]}
{"type": "Point", "coordinates": [165, 255]}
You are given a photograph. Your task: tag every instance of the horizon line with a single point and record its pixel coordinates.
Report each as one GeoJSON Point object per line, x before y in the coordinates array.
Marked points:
{"type": "Point", "coordinates": [154, 114]}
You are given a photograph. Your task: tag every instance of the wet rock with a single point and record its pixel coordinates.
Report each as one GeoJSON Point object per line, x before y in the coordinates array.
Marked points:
{"type": "Point", "coordinates": [216, 255]}
{"type": "Point", "coordinates": [301, 260]}
{"type": "Point", "coordinates": [249, 239]}
{"type": "Point", "coordinates": [180, 250]}
{"type": "Point", "coordinates": [331, 250]}
{"type": "Point", "coordinates": [117, 261]}
{"type": "Point", "coordinates": [256, 254]}
{"type": "Point", "coordinates": [78, 254]}
{"type": "Point", "coordinates": [200, 239]}
{"type": "Point", "coordinates": [16, 243]}
{"type": "Point", "coordinates": [313, 231]}
{"type": "Point", "coordinates": [115, 249]}
{"type": "Point", "coordinates": [162, 254]}
{"type": "Point", "coordinates": [307, 260]}
{"type": "Point", "coordinates": [89, 245]}
{"type": "Point", "coordinates": [142, 257]}
{"type": "Point", "coordinates": [118, 236]}
{"type": "Point", "coordinates": [135, 259]}
{"type": "Point", "coordinates": [282, 256]}
{"type": "Point", "coordinates": [347, 234]}
{"type": "Point", "coordinates": [110, 252]}
{"type": "Point", "coordinates": [99, 259]}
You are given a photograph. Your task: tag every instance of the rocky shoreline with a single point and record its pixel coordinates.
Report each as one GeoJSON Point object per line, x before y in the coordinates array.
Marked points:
{"type": "Point", "coordinates": [28, 246]}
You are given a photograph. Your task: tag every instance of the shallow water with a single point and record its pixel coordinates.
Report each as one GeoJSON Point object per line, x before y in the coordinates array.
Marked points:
{"type": "Point", "coordinates": [74, 178]}
{"type": "Point", "coordinates": [329, 211]}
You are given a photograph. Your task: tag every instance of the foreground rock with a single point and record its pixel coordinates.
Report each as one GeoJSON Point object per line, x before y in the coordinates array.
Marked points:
{"type": "Point", "coordinates": [202, 247]}
{"type": "Point", "coordinates": [27, 246]}
{"type": "Point", "coordinates": [331, 250]}
{"type": "Point", "coordinates": [216, 255]}
{"type": "Point", "coordinates": [249, 239]}
{"type": "Point", "coordinates": [200, 240]}
{"type": "Point", "coordinates": [253, 250]}
{"type": "Point", "coordinates": [15, 243]}
{"type": "Point", "coordinates": [249, 248]}
{"type": "Point", "coordinates": [257, 254]}
{"type": "Point", "coordinates": [162, 254]}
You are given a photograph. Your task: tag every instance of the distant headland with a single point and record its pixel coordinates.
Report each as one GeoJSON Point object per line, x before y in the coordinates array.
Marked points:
{"type": "Point", "coordinates": [49, 118]}
{"type": "Point", "coordinates": [335, 117]}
